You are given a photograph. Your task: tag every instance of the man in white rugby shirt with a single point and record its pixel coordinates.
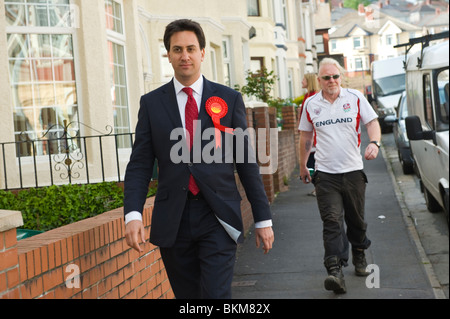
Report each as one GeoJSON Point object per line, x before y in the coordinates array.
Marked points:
{"type": "Point", "coordinates": [332, 121]}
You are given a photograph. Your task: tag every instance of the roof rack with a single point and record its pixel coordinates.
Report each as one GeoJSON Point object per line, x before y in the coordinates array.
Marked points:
{"type": "Point", "coordinates": [424, 41]}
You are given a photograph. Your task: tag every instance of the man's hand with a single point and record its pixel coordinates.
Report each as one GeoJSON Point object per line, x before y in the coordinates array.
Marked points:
{"type": "Point", "coordinates": [305, 176]}
{"type": "Point", "coordinates": [264, 235]}
{"type": "Point", "coordinates": [134, 231]}
{"type": "Point", "coordinates": [374, 132]}
{"type": "Point", "coordinates": [371, 152]}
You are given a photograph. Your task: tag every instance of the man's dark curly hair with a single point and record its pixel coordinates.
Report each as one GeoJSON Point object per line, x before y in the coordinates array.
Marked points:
{"type": "Point", "coordinates": [184, 25]}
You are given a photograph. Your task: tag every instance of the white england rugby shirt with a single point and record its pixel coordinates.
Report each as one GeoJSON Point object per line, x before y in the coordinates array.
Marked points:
{"type": "Point", "coordinates": [337, 129]}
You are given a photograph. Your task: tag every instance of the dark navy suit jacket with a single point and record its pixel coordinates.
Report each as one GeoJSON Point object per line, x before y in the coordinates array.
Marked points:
{"type": "Point", "coordinates": [158, 117]}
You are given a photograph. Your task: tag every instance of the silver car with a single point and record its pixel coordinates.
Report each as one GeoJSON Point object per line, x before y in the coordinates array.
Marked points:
{"type": "Point", "coordinates": [400, 136]}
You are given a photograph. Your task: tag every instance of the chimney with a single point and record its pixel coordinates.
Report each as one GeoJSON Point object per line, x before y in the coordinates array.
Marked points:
{"type": "Point", "coordinates": [361, 10]}
{"type": "Point", "coordinates": [387, 2]}
{"type": "Point", "coordinates": [438, 11]}
{"type": "Point", "coordinates": [380, 4]}
{"type": "Point", "coordinates": [428, 2]}
{"type": "Point", "coordinates": [341, 5]}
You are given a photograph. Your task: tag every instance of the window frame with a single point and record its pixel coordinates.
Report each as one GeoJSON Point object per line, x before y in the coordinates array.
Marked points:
{"type": "Point", "coordinates": [119, 39]}
{"type": "Point", "coordinates": [359, 41]}
{"type": "Point", "coordinates": [228, 61]}
{"type": "Point", "coordinates": [50, 31]}
{"type": "Point", "coordinates": [250, 6]}
{"type": "Point", "coordinates": [441, 121]}
{"type": "Point", "coordinates": [428, 96]}
{"type": "Point", "coordinates": [320, 43]}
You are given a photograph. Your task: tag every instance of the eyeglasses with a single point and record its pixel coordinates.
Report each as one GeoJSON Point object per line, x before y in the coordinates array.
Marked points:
{"type": "Point", "coordinates": [328, 77]}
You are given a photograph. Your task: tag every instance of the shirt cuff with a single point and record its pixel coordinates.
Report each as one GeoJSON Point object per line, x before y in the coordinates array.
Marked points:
{"type": "Point", "coordinates": [263, 224]}
{"type": "Point", "coordinates": [134, 215]}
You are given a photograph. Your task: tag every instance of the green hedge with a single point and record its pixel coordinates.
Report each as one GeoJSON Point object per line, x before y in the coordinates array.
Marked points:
{"type": "Point", "coordinates": [51, 207]}
{"type": "Point", "coordinates": [55, 206]}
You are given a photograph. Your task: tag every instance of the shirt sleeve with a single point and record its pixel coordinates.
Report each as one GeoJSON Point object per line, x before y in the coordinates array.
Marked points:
{"type": "Point", "coordinates": [263, 224]}
{"type": "Point", "coordinates": [134, 215]}
{"type": "Point", "coordinates": [305, 124]}
{"type": "Point", "coordinates": [366, 110]}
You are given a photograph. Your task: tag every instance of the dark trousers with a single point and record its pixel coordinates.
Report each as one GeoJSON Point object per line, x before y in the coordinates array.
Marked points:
{"type": "Point", "coordinates": [340, 198]}
{"type": "Point", "coordinates": [201, 262]}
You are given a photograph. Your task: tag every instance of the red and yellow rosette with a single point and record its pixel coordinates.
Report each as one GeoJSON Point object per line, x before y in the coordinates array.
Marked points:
{"type": "Point", "coordinates": [218, 108]}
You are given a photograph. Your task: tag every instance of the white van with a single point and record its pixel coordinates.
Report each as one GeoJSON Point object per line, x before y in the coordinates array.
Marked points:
{"type": "Point", "coordinates": [427, 77]}
{"type": "Point", "coordinates": [388, 83]}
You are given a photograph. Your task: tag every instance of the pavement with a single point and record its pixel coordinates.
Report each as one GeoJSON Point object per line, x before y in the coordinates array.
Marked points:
{"type": "Point", "coordinates": [294, 269]}
{"type": "Point", "coordinates": [429, 230]}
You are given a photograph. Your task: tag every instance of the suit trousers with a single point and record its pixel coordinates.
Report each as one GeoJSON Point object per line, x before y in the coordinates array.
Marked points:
{"type": "Point", "coordinates": [200, 264]}
{"type": "Point", "coordinates": [341, 197]}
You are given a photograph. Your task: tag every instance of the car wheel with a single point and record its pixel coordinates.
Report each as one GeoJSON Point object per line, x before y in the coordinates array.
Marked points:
{"type": "Point", "coordinates": [406, 168]}
{"type": "Point", "coordinates": [386, 128]}
{"type": "Point", "coordinates": [432, 204]}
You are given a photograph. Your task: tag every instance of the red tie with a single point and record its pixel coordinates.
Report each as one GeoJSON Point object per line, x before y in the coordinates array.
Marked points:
{"type": "Point", "coordinates": [191, 114]}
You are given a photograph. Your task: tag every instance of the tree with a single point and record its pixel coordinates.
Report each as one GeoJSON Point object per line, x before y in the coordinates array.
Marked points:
{"type": "Point", "coordinates": [259, 85]}
{"type": "Point", "coordinates": [355, 3]}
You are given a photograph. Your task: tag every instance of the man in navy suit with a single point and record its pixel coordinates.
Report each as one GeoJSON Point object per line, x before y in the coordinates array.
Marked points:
{"type": "Point", "coordinates": [197, 231]}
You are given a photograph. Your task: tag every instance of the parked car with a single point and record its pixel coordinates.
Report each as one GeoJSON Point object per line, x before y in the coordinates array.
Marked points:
{"type": "Point", "coordinates": [427, 78]}
{"type": "Point", "coordinates": [401, 136]}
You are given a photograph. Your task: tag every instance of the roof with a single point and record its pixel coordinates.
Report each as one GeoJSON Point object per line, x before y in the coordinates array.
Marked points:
{"type": "Point", "coordinates": [425, 7]}
{"type": "Point", "coordinates": [352, 20]}
{"type": "Point", "coordinates": [435, 20]}
{"type": "Point", "coordinates": [338, 13]}
{"type": "Point", "coordinates": [417, 13]}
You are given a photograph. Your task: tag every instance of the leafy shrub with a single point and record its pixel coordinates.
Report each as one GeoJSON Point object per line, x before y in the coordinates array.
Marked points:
{"type": "Point", "coordinates": [55, 206]}
{"type": "Point", "coordinates": [259, 85]}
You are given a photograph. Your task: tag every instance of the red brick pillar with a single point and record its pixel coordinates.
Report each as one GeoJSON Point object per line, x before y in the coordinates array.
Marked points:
{"type": "Point", "coordinates": [290, 119]}
{"type": "Point", "coordinates": [249, 115]}
{"type": "Point", "coordinates": [262, 121]}
{"type": "Point", "coordinates": [9, 260]}
{"type": "Point", "coordinates": [273, 117]}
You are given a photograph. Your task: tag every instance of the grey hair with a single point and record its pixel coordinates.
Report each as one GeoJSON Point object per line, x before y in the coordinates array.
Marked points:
{"type": "Point", "coordinates": [328, 61]}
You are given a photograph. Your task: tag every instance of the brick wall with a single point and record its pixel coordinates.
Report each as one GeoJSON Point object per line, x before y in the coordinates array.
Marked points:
{"type": "Point", "coordinates": [288, 154]}
{"type": "Point", "coordinates": [95, 248]}
{"type": "Point", "coordinates": [9, 270]}
{"type": "Point", "coordinates": [288, 151]}
{"type": "Point", "coordinates": [287, 160]}
{"type": "Point", "coordinates": [246, 209]}
{"type": "Point", "coordinates": [261, 120]}
{"type": "Point", "coordinates": [47, 265]}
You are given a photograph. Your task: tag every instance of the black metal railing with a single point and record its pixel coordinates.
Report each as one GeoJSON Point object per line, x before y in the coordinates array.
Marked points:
{"type": "Point", "coordinates": [62, 156]}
